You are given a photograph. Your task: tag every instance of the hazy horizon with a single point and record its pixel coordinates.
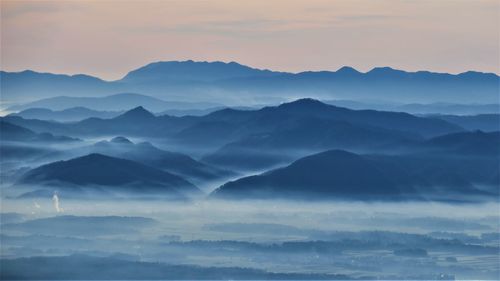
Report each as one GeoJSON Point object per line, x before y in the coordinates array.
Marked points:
{"type": "Point", "coordinates": [92, 38]}
{"type": "Point", "coordinates": [251, 66]}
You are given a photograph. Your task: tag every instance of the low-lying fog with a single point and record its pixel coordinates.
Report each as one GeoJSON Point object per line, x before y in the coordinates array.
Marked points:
{"type": "Point", "coordinates": [60, 237]}
{"type": "Point", "coordinates": [411, 240]}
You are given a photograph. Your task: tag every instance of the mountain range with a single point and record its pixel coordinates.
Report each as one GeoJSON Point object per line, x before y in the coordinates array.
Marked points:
{"type": "Point", "coordinates": [282, 126]}
{"type": "Point", "coordinates": [448, 108]}
{"type": "Point", "coordinates": [232, 82]}
{"type": "Point", "coordinates": [144, 123]}
{"type": "Point", "coordinates": [67, 109]}
{"type": "Point", "coordinates": [483, 122]}
{"type": "Point", "coordinates": [172, 162]}
{"type": "Point", "coordinates": [12, 132]}
{"type": "Point", "coordinates": [309, 149]}
{"type": "Point", "coordinates": [455, 167]}
{"type": "Point", "coordinates": [71, 114]}
{"type": "Point", "coordinates": [115, 102]}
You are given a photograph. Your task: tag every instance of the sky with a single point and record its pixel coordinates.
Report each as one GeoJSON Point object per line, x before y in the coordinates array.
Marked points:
{"type": "Point", "coordinates": [109, 38]}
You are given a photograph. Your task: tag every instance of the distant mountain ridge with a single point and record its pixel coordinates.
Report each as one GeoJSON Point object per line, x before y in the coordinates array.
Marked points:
{"type": "Point", "coordinates": [421, 108]}
{"type": "Point", "coordinates": [115, 102]}
{"type": "Point", "coordinates": [192, 71]}
{"type": "Point", "coordinates": [67, 115]}
{"type": "Point", "coordinates": [229, 82]}
{"type": "Point", "coordinates": [483, 122]}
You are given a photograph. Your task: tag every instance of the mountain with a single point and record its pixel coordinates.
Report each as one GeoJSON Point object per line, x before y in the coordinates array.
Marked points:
{"type": "Point", "coordinates": [11, 132]}
{"type": "Point", "coordinates": [116, 102]}
{"type": "Point", "coordinates": [18, 143]}
{"type": "Point", "coordinates": [307, 136]}
{"type": "Point", "coordinates": [108, 174]}
{"type": "Point", "coordinates": [337, 174]}
{"type": "Point", "coordinates": [275, 135]}
{"type": "Point", "coordinates": [172, 162]}
{"type": "Point", "coordinates": [145, 124]}
{"type": "Point", "coordinates": [38, 126]}
{"type": "Point", "coordinates": [191, 112]}
{"type": "Point", "coordinates": [310, 108]}
{"type": "Point", "coordinates": [136, 114]}
{"type": "Point", "coordinates": [450, 108]}
{"type": "Point", "coordinates": [25, 85]}
{"type": "Point", "coordinates": [327, 126]}
{"type": "Point", "coordinates": [118, 140]}
{"type": "Point", "coordinates": [329, 174]}
{"type": "Point", "coordinates": [135, 122]}
{"type": "Point", "coordinates": [14, 132]}
{"type": "Point", "coordinates": [229, 125]}
{"type": "Point", "coordinates": [483, 122]}
{"type": "Point", "coordinates": [234, 83]}
{"type": "Point", "coordinates": [382, 83]}
{"type": "Point", "coordinates": [67, 115]}
{"type": "Point", "coordinates": [420, 108]}
{"type": "Point", "coordinates": [192, 71]}
{"type": "Point", "coordinates": [468, 143]}
{"type": "Point", "coordinates": [300, 138]}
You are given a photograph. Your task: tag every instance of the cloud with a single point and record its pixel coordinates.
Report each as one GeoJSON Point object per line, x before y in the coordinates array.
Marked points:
{"type": "Point", "coordinates": [12, 9]}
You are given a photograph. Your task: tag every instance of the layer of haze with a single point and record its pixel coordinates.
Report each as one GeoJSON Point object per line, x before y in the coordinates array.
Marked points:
{"type": "Point", "coordinates": [109, 38]}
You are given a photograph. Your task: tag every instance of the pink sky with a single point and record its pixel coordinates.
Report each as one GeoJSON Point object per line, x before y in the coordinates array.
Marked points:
{"type": "Point", "coordinates": [109, 38]}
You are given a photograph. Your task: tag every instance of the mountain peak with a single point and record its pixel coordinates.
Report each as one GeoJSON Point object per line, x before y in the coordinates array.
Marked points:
{"type": "Point", "coordinates": [304, 103]}
{"type": "Point", "coordinates": [347, 70]}
{"type": "Point", "coordinates": [137, 113]}
{"type": "Point", "coordinates": [121, 140]}
{"type": "Point", "coordinates": [90, 158]}
{"type": "Point", "coordinates": [385, 70]}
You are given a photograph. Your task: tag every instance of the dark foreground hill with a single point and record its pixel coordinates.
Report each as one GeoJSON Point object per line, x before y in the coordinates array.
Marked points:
{"type": "Point", "coordinates": [339, 174]}
{"type": "Point", "coordinates": [108, 174]}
